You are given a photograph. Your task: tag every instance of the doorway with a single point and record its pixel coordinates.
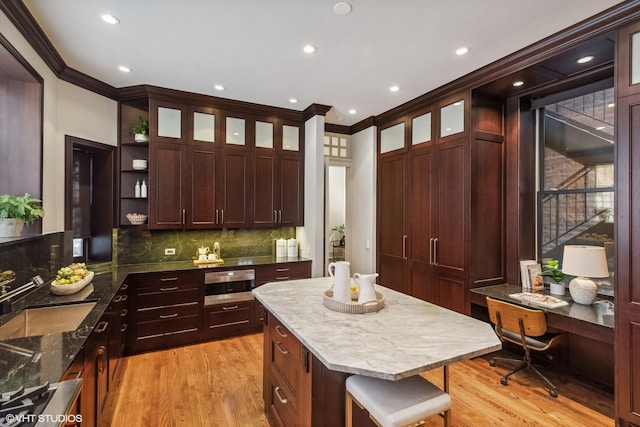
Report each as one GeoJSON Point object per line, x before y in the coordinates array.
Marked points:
{"type": "Point", "coordinates": [89, 198]}
{"type": "Point", "coordinates": [337, 210]}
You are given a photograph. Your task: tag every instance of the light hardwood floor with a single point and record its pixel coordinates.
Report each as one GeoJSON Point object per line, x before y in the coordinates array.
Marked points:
{"type": "Point", "coordinates": [219, 383]}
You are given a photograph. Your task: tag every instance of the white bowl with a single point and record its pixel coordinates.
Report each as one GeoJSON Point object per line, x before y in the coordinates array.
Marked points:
{"type": "Point", "coordinates": [139, 167]}
{"type": "Point", "coordinates": [73, 287]}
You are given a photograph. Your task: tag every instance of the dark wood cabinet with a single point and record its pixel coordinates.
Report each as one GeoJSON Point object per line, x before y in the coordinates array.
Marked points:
{"type": "Point", "coordinates": [440, 201]}
{"type": "Point", "coordinates": [287, 377]}
{"type": "Point", "coordinates": [230, 318]}
{"type": "Point", "coordinates": [278, 178]}
{"type": "Point", "coordinates": [128, 176]}
{"type": "Point", "coordinates": [165, 309]}
{"type": "Point", "coordinates": [167, 185]}
{"type": "Point", "coordinates": [627, 316]}
{"type": "Point", "coordinates": [281, 271]}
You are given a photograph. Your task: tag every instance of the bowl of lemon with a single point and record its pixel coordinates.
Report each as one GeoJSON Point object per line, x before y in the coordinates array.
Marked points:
{"type": "Point", "coordinates": [71, 279]}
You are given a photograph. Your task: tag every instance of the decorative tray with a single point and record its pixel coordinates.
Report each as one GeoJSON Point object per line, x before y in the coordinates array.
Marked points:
{"type": "Point", "coordinates": [208, 262]}
{"type": "Point", "coordinates": [71, 288]}
{"type": "Point", "coordinates": [352, 307]}
{"type": "Point", "coordinates": [539, 299]}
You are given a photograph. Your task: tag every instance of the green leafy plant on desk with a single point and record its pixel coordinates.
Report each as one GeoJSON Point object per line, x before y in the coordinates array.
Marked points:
{"type": "Point", "coordinates": [551, 269]}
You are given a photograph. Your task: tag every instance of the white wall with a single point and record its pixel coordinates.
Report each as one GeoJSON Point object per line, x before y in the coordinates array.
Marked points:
{"type": "Point", "coordinates": [311, 235]}
{"type": "Point", "coordinates": [67, 110]}
{"type": "Point", "coordinates": [363, 201]}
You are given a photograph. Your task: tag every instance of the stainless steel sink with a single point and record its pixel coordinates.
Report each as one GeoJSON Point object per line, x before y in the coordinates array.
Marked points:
{"type": "Point", "coordinates": [45, 320]}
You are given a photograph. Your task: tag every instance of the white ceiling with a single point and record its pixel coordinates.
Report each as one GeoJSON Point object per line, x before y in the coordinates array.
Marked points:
{"type": "Point", "coordinates": [254, 47]}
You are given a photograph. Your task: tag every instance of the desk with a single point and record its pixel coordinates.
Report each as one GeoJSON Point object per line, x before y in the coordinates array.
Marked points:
{"type": "Point", "coordinates": [590, 329]}
{"type": "Point", "coordinates": [406, 337]}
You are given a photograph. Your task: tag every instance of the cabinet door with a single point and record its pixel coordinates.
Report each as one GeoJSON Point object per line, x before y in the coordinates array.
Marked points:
{"type": "Point", "coordinates": [232, 206]}
{"type": "Point", "coordinates": [291, 190]}
{"type": "Point", "coordinates": [264, 196]}
{"type": "Point", "coordinates": [201, 212]}
{"type": "Point", "coordinates": [167, 206]}
{"type": "Point", "coordinates": [392, 238]}
{"type": "Point", "coordinates": [420, 225]}
{"type": "Point", "coordinates": [167, 121]}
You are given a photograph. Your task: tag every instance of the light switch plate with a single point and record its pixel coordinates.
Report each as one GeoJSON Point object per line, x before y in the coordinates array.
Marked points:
{"type": "Point", "coordinates": [170, 251]}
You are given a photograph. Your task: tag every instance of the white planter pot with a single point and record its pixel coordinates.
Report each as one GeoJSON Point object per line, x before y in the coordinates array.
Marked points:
{"type": "Point", "coordinates": [11, 227]}
{"type": "Point", "coordinates": [140, 137]}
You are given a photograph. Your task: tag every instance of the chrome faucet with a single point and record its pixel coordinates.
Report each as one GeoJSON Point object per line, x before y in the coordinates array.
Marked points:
{"type": "Point", "coordinates": [6, 295]}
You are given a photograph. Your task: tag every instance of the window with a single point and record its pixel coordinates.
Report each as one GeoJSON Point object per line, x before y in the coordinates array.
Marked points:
{"type": "Point", "coordinates": [336, 146]}
{"type": "Point", "coordinates": [576, 197]}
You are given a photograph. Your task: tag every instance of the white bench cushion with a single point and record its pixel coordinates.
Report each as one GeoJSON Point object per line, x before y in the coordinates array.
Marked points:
{"type": "Point", "coordinates": [398, 403]}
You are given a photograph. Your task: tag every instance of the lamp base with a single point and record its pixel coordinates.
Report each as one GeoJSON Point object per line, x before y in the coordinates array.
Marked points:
{"type": "Point", "coordinates": [583, 290]}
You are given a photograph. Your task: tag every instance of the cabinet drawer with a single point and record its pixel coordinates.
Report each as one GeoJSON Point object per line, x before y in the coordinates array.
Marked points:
{"type": "Point", "coordinates": [168, 297]}
{"type": "Point", "coordinates": [283, 271]}
{"type": "Point", "coordinates": [222, 315]}
{"type": "Point", "coordinates": [283, 402]}
{"type": "Point", "coordinates": [167, 312]}
{"type": "Point", "coordinates": [168, 326]}
{"type": "Point", "coordinates": [150, 282]}
{"type": "Point", "coordinates": [285, 351]}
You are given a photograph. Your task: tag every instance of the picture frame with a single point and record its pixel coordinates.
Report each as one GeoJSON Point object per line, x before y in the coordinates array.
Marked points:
{"type": "Point", "coordinates": [534, 276]}
{"type": "Point", "coordinates": [524, 273]}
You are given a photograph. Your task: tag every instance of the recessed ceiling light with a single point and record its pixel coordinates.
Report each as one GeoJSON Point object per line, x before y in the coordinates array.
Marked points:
{"type": "Point", "coordinates": [124, 69]}
{"type": "Point", "coordinates": [352, 111]}
{"type": "Point", "coordinates": [293, 100]}
{"type": "Point", "coordinates": [110, 19]}
{"type": "Point", "coordinates": [462, 50]}
{"type": "Point", "coordinates": [585, 59]}
{"type": "Point", "coordinates": [309, 48]}
{"type": "Point", "coordinates": [611, 105]}
{"type": "Point", "coordinates": [518, 83]}
{"type": "Point", "coordinates": [600, 128]}
{"type": "Point", "coordinates": [394, 88]}
{"type": "Point", "coordinates": [342, 8]}
{"type": "Point", "coordinates": [218, 87]}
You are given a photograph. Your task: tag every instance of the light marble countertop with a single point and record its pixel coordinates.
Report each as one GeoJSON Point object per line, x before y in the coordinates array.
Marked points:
{"type": "Point", "coordinates": [406, 337]}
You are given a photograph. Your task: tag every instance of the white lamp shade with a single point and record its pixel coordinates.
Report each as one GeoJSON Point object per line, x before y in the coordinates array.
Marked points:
{"type": "Point", "coordinates": [585, 261]}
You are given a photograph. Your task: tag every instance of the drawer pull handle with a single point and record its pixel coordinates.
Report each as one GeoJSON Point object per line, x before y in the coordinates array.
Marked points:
{"type": "Point", "coordinates": [282, 278]}
{"type": "Point", "coordinates": [125, 297]}
{"type": "Point", "coordinates": [280, 398]}
{"type": "Point", "coordinates": [169, 289]}
{"type": "Point", "coordinates": [124, 287]}
{"type": "Point", "coordinates": [124, 312]}
{"type": "Point", "coordinates": [280, 346]}
{"type": "Point", "coordinates": [168, 316]}
{"type": "Point", "coordinates": [168, 279]}
{"type": "Point", "coordinates": [117, 298]}
{"type": "Point", "coordinates": [234, 307]}
{"type": "Point", "coordinates": [282, 334]}
{"type": "Point", "coordinates": [123, 328]}
{"type": "Point", "coordinates": [102, 326]}
{"type": "Point", "coordinates": [282, 269]}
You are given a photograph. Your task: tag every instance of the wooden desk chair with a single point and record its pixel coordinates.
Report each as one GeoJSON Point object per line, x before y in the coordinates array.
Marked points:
{"type": "Point", "coordinates": [526, 328]}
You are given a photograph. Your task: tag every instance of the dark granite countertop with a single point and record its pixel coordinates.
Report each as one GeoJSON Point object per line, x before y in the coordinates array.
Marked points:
{"type": "Point", "coordinates": [54, 353]}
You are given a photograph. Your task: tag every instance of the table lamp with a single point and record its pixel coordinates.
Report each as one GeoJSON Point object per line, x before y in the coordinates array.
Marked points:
{"type": "Point", "coordinates": [584, 262]}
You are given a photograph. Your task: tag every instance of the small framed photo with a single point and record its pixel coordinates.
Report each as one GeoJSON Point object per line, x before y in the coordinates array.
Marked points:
{"type": "Point", "coordinates": [524, 272]}
{"type": "Point", "coordinates": [534, 276]}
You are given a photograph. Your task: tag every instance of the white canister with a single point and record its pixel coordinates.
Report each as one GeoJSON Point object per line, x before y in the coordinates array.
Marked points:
{"type": "Point", "coordinates": [292, 248]}
{"type": "Point", "coordinates": [281, 248]}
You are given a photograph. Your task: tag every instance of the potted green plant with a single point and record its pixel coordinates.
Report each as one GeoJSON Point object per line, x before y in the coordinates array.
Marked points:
{"type": "Point", "coordinates": [140, 130]}
{"type": "Point", "coordinates": [16, 211]}
{"type": "Point", "coordinates": [340, 229]}
{"type": "Point", "coordinates": [551, 269]}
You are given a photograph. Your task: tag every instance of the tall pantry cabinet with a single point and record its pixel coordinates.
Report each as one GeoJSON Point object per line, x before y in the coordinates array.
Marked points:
{"type": "Point", "coordinates": [627, 287]}
{"type": "Point", "coordinates": [440, 200]}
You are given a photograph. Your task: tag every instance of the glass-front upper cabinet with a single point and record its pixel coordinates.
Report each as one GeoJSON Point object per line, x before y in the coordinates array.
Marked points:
{"type": "Point", "coordinates": [290, 138]}
{"type": "Point", "coordinates": [169, 122]}
{"type": "Point", "coordinates": [235, 134]}
{"type": "Point", "coordinates": [452, 118]}
{"type": "Point", "coordinates": [421, 129]}
{"type": "Point", "coordinates": [204, 127]}
{"type": "Point", "coordinates": [392, 138]}
{"type": "Point", "coordinates": [264, 134]}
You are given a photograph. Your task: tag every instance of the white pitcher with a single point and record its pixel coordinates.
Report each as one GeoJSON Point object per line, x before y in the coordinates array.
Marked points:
{"type": "Point", "coordinates": [366, 290]}
{"type": "Point", "coordinates": [341, 280]}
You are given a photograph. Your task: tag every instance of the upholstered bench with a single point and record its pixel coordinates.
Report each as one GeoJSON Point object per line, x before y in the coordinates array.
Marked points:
{"type": "Point", "coordinates": [396, 403]}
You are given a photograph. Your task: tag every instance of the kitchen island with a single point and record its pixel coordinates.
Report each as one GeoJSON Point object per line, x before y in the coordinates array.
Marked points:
{"type": "Point", "coordinates": [310, 350]}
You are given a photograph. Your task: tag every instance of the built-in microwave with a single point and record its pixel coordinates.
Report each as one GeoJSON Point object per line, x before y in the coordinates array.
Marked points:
{"type": "Point", "coordinates": [227, 282]}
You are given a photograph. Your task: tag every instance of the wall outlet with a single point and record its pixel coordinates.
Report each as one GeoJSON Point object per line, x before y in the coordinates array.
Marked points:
{"type": "Point", "coordinates": [170, 251]}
